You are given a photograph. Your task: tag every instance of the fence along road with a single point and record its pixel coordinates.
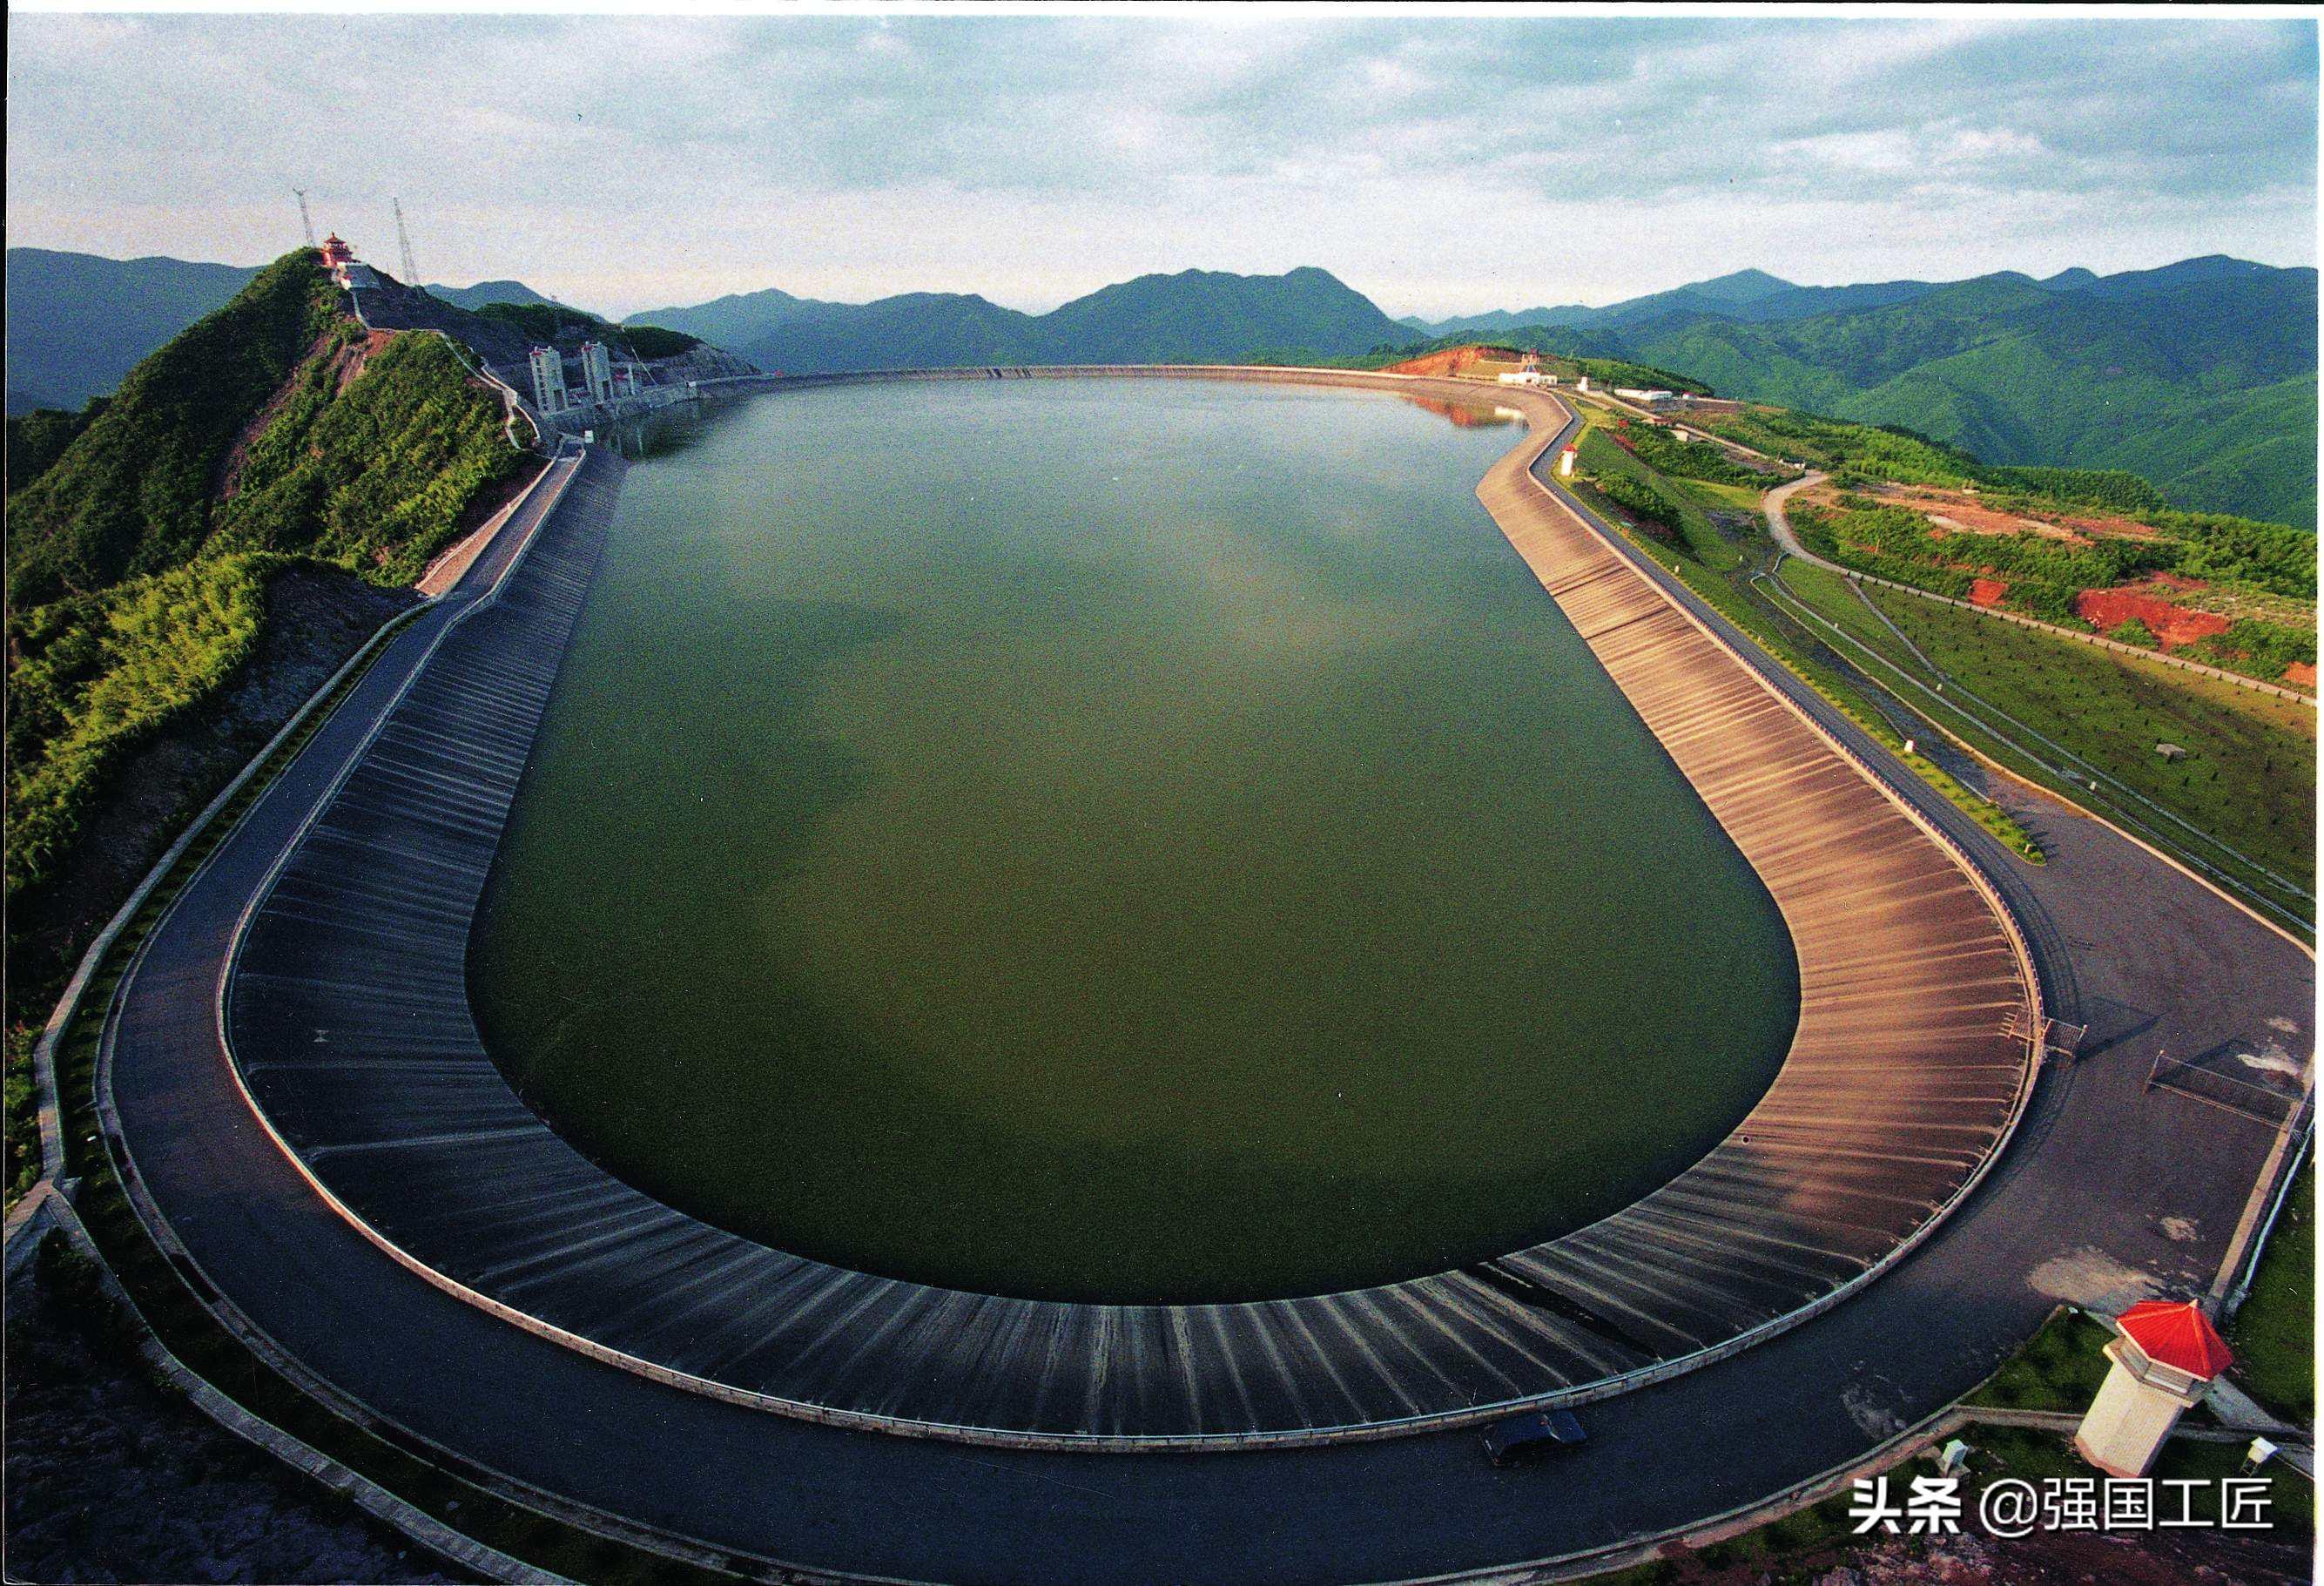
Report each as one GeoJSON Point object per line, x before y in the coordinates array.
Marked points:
{"type": "Point", "coordinates": [346, 1009]}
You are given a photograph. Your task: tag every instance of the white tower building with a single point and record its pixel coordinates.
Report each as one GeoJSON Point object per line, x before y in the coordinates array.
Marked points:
{"type": "Point", "coordinates": [549, 381]}
{"type": "Point", "coordinates": [597, 372]}
{"type": "Point", "coordinates": [2165, 1359]}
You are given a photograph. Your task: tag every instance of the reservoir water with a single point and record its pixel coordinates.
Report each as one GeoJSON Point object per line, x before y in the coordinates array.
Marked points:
{"type": "Point", "coordinates": [1112, 840]}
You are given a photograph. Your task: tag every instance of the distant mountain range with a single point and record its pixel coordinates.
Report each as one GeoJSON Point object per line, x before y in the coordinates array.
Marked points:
{"type": "Point", "coordinates": [1196, 315]}
{"type": "Point", "coordinates": [2200, 376]}
{"type": "Point", "coordinates": [1747, 294]}
{"type": "Point", "coordinates": [472, 298]}
{"type": "Point", "coordinates": [78, 323]}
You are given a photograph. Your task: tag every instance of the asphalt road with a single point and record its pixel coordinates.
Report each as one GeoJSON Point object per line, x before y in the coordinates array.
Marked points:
{"type": "Point", "coordinates": [2108, 1190]}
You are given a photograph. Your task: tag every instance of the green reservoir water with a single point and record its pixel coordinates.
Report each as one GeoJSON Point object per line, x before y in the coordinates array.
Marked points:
{"type": "Point", "coordinates": [1104, 840]}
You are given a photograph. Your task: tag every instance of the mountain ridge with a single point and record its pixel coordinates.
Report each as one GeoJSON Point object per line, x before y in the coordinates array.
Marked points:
{"type": "Point", "coordinates": [2168, 372]}
{"type": "Point", "coordinates": [1187, 315]}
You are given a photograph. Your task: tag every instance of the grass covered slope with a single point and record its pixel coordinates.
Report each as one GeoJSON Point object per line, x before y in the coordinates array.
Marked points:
{"type": "Point", "coordinates": [2056, 713]}
{"type": "Point", "coordinates": [1704, 524]}
{"type": "Point", "coordinates": [273, 424]}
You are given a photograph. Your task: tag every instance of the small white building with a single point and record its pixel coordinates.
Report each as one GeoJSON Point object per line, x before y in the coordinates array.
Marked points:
{"type": "Point", "coordinates": [548, 394]}
{"type": "Point", "coordinates": [1583, 383]}
{"type": "Point", "coordinates": [597, 372]}
{"type": "Point", "coordinates": [1653, 398]}
{"type": "Point", "coordinates": [1527, 377]}
{"type": "Point", "coordinates": [2165, 1355]}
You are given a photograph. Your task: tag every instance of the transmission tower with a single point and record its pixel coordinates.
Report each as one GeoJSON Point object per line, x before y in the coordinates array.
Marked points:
{"type": "Point", "coordinates": [305, 219]}
{"type": "Point", "coordinates": [403, 242]}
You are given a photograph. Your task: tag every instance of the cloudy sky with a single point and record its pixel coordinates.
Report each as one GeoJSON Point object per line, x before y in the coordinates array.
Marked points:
{"type": "Point", "coordinates": [1439, 163]}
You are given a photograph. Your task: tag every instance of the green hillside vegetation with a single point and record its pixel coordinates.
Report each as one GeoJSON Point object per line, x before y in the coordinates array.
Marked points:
{"type": "Point", "coordinates": [2044, 575]}
{"type": "Point", "coordinates": [139, 557]}
{"type": "Point", "coordinates": [91, 676]}
{"type": "Point", "coordinates": [1678, 510]}
{"type": "Point", "coordinates": [652, 341]}
{"type": "Point", "coordinates": [133, 494]}
{"type": "Point", "coordinates": [1836, 447]}
{"type": "Point", "coordinates": [2109, 489]}
{"type": "Point", "coordinates": [2257, 648]}
{"type": "Point", "coordinates": [2206, 385]}
{"type": "Point", "coordinates": [545, 322]}
{"type": "Point", "coordinates": [247, 433]}
{"type": "Point", "coordinates": [1639, 500]}
{"type": "Point", "coordinates": [377, 478]}
{"type": "Point", "coordinates": [1664, 453]}
{"type": "Point", "coordinates": [1892, 542]}
{"type": "Point", "coordinates": [38, 438]}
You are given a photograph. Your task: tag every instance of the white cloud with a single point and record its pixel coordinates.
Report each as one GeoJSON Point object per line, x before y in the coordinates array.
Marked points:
{"type": "Point", "coordinates": [1439, 163]}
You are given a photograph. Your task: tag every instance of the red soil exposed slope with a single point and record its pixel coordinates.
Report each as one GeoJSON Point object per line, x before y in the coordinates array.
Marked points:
{"type": "Point", "coordinates": [1460, 360]}
{"type": "Point", "coordinates": [2174, 625]}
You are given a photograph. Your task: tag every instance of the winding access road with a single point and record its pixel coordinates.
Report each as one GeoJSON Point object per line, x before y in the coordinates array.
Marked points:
{"type": "Point", "coordinates": [2108, 1192]}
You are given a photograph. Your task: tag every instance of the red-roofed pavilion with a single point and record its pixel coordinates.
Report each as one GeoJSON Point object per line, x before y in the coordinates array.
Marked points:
{"type": "Point", "coordinates": [2164, 1356]}
{"type": "Point", "coordinates": [2176, 1333]}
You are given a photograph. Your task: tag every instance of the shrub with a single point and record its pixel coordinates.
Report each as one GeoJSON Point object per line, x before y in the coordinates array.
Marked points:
{"type": "Point", "coordinates": [543, 321]}
{"type": "Point", "coordinates": [1664, 453]}
{"type": "Point", "coordinates": [652, 341]}
{"type": "Point", "coordinates": [2257, 648]}
{"type": "Point", "coordinates": [90, 678]}
{"type": "Point", "coordinates": [38, 438]}
{"type": "Point", "coordinates": [1636, 497]}
{"type": "Point", "coordinates": [376, 477]}
{"type": "Point", "coordinates": [2135, 632]}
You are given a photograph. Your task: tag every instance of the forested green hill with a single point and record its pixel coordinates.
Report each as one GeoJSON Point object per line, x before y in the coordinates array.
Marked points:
{"type": "Point", "coordinates": [133, 494]}
{"type": "Point", "coordinates": [275, 432]}
{"type": "Point", "coordinates": [2206, 385]}
{"type": "Point", "coordinates": [268, 425]}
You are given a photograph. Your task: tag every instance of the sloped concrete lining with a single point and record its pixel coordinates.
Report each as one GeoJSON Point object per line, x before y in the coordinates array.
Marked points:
{"type": "Point", "coordinates": [345, 1011]}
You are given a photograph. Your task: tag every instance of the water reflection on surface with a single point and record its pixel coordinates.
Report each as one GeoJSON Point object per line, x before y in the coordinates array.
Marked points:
{"type": "Point", "coordinates": [1479, 414]}
{"type": "Point", "coordinates": [1110, 839]}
